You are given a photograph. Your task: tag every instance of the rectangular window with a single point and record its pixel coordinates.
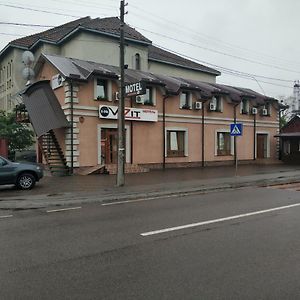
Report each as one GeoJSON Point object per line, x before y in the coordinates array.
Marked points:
{"type": "Point", "coordinates": [175, 143]}
{"type": "Point", "coordinates": [101, 90]}
{"type": "Point", "coordinates": [244, 106]}
{"type": "Point", "coordinates": [147, 99]}
{"type": "Point", "coordinates": [216, 104]}
{"type": "Point", "coordinates": [223, 143]}
{"type": "Point", "coordinates": [185, 100]}
{"type": "Point", "coordinates": [286, 147]}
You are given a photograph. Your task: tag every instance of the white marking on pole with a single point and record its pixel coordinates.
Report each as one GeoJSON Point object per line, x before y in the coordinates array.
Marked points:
{"type": "Point", "coordinates": [63, 209]}
{"type": "Point", "coordinates": [7, 216]}
{"type": "Point", "coordinates": [218, 220]}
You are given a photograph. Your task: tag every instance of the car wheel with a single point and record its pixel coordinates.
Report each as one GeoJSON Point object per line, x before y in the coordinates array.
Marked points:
{"type": "Point", "coordinates": [26, 181]}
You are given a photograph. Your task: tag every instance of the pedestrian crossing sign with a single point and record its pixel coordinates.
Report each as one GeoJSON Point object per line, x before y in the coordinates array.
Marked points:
{"type": "Point", "coordinates": [236, 129]}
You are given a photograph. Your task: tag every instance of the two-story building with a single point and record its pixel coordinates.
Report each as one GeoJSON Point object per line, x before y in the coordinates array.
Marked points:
{"type": "Point", "coordinates": [178, 122]}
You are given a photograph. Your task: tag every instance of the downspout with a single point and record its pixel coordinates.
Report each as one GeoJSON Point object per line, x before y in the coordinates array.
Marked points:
{"type": "Point", "coordinates": [202, 128]}
{"type": "Point", "coordinates": [72, 128]}
{"type": "Point", "coordinates": [164, 134]}
{"type": "Point", "coordinates": [254, 137]}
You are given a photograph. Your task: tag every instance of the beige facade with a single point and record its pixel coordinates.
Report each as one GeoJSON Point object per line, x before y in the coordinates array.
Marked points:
{"type": "Point", "coordinates": [95, 137]}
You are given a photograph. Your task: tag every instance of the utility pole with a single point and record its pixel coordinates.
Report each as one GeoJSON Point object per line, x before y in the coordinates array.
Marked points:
{"type": "Point", "coordinates": [121, 107]}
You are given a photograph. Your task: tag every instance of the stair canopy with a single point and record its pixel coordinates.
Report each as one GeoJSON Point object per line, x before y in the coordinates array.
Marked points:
{"type": "Point", "coordinates": [43, 108]}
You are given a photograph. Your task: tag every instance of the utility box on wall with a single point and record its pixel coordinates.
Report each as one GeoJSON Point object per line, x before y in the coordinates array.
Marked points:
{"type": "Point", "coordinates": [4, 147]}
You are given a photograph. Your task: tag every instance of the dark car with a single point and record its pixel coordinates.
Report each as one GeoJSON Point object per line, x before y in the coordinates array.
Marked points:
{"type": "Point", "coordinates": [23, 175]}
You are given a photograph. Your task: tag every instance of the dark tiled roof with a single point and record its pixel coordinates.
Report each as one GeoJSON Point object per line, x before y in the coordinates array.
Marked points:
{"type": "Point", "coordinates": [159, 54]}
{"type": "Point", "coordinates": [173, 85]}
{"type": "Point", "coordinates": [106, 25]}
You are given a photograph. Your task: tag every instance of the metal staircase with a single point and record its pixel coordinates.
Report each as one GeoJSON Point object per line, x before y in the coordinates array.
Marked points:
{"type": "Point", "coordinates": [53, 154]}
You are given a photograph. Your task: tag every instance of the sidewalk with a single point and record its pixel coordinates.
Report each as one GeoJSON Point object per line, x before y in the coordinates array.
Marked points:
{"type": "Point", "coordinates": [75, 190]}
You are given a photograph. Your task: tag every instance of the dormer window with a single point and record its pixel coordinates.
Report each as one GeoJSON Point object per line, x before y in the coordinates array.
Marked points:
{"type": "Point", "coordinates": [137, 61]}
{"type": "Point", "coordinates": [185, 100]}
{"type": "Point", "coordinates": [244, 107]}
{"type": "Point", "coordinates": [148, 98]}
{"type": "Point", "coordinates": [216, 104]}
{"type": "Point", "coordinates": [101, 89]}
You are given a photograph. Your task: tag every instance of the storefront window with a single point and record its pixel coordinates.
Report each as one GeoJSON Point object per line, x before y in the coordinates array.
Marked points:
{"type": "Point", "coordinates": [175, 143]}
{"type": "Point", "coordinates": [223, 143]}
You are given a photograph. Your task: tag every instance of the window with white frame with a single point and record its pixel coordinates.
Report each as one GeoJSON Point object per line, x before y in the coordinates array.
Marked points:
{"type": "Point", "coordinates": [224, 143]}
{"type": "Point", "coordinates": [268, 108]}
{"type": "Point", "coordinates": [185, 100]}
{"type": "Point", "coordinates": [176, 143]}
{"type": "Point", "coordinates": [149, 97]}
{"type": "Point", "coordinates": [137, 59]}
{"type": "Point", "coordinates": [216, 104]}
{"type": "Point", "coordinates": [101, 89]}
{"type": "Point", "coordinates": [244, 106]}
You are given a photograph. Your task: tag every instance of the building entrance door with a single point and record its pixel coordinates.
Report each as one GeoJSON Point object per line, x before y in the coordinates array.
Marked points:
{"type": "Point", "coordinates": [262, 145]}
{"type": "Point", "coordinates": [109, 146]}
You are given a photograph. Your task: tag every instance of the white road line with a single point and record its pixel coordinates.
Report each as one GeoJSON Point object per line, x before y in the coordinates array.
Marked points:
{"type": "Point", "coordinates": [7, 216]}
{"type": "Point", "coordinates": [136, 200]}
{"type": "Point", "coordinates": [218, 220]}
{"type": "Point", "coordinates": [63, 209]}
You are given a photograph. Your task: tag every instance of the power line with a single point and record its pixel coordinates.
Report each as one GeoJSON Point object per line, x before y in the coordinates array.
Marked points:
{"type": "Point", "coordinates": [38, 10]}
{"type": "Point", "coordinates": [215, 40]}
{"type": "Point", "coordinates": [218, 52]}
{"type": "Point", "coordinates": [230, 71]}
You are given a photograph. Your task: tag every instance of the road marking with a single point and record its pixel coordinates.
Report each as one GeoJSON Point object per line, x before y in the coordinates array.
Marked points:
{"type": "Point", "coordinates": [218, 220]}
{"type": "Point", "coordinates": [7, 216]}
{"type": "Point", "coordinates": [137, 200]}
{"type": "Point", "coordinates": [63, 209]}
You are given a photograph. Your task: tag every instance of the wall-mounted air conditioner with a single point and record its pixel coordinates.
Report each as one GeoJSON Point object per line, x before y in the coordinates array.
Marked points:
{"type": "Point", "coordinates": [212, 106]}
{"type": "Point", "coordinates": [57, 81]}
{"type": "Point", "coordinates": [139, 99]}
{"type": "Point", "coordinates": [254, 110]}
{"type": "Point", "coordinates": [264, 112]}
{"type": "Point", "coordinates": [198, 105]}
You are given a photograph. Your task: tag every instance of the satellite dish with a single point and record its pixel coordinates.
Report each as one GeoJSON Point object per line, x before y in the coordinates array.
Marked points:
{"type": "Point", "coordinates": [28, 58]}
{"type": "Point", "coordinates": [28, 74]}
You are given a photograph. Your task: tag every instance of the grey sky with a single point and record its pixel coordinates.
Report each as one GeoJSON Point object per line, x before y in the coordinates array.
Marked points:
{"type": "Point", "coordinates": [258, 37]}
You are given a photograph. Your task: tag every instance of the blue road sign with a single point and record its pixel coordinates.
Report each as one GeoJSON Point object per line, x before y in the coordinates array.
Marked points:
{"type": "Point", "coordinates": [236, 129]}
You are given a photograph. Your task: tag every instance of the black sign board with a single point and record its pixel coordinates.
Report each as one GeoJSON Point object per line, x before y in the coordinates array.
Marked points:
{"type": "Point", "coordinates": [135, 89]}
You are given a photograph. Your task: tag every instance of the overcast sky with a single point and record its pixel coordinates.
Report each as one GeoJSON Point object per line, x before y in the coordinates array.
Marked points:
{"type": "Point", "coordinates": [256, 40]}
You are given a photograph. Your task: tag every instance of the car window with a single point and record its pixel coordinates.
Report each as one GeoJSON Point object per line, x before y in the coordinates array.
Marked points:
{"type": "Point", "coordinates": [2, 162]}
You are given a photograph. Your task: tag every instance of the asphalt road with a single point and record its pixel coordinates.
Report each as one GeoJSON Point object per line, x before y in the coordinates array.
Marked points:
{"type": "Point", "coordinates": [115, 251]}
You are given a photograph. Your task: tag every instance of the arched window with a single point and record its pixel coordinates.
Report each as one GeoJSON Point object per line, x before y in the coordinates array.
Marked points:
{"type": "Point", "coordinates": [137, 61]}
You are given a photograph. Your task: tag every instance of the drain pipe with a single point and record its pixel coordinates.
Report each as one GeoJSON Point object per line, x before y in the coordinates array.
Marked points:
{"type": "Point", "coordinates": [72, 129]}
{"type": "Point", "coordinates": [203, 131]}
{"type": "Point", "coordinates": [164, 131]}
{"type": "Point", "coordinates": [254, 137]}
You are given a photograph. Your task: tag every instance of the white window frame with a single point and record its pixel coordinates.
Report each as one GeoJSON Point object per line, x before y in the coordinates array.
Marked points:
{"type": "Point", "coordinates": [153, 95]}
{"type": "Point", "coordinates": [186, 139]}
{"type": "Point", "coordinates": [247, 107]}
{"type": "Point", "coordinates": [108, 88]}
{"type": "Point", "coordinates": [223, 130]}
{"type": "Point", "coordinates": [189, 99]}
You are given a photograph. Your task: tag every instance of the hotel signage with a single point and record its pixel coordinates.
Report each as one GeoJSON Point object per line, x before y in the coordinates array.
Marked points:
{"type": "Point", "coordinates": [135, 89]}
{"type": "Point", "coordinates": [131, 113]}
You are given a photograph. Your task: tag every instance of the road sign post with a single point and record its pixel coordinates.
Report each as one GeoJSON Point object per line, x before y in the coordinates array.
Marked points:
{"type": "Point", "coordinates": [236, 129]}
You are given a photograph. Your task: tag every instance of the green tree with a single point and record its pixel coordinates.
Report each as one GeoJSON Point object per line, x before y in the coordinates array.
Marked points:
{"type": "Point", "coordinates": [19, 135]}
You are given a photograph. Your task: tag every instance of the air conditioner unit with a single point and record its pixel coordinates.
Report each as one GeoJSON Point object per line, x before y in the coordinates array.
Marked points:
{"type": "Point", "coordinates": [139, 99]}
{"type": "Point", "coordinates": [264, 112]}
{"type": "Point", "coordinates": [117, 96]}
{"type": "Point", "coordinates": [212, 106]}
{"type": "Point", "coordinates": [254, 110]}
{"type": "Point", "coordinates": [57, 81]}
{"type": "Point", "coordinates": [198, 105]}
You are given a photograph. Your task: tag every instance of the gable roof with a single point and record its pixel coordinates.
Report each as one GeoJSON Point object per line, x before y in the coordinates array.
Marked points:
{"type": "Point", "coordinates": [110, 27]}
